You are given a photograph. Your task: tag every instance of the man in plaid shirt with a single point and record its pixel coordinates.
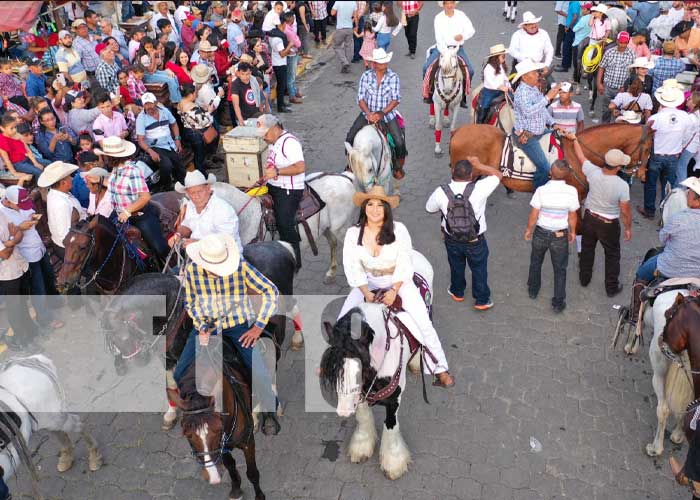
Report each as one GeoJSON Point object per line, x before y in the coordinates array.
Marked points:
{"type": "Point", "coordinates": [665, 67]}
{"type": "Point", "coordinates": [378, 96]}
{"type": "Point", "coordinates": [107, 71]}
{"type": "Point", "coordinates": [84, 45]}
{"type": "Point", "coordinates": [614, 71]}
{"type": "Point", "coordinates": [412, 12]}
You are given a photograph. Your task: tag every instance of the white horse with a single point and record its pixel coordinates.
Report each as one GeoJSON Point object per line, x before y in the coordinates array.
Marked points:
{"type": "Point", "coordinates": [447, 95]}
{"type": "Point", "coordinates": [369, 158]}
{"type": "Point", "coordinates": [29, 387]}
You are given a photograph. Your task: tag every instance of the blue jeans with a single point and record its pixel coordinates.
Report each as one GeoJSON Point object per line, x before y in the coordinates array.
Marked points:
{"type": "Point", "coordinates": [543, 240]}
{"type": "Point", "coordinates": [434, 55]}
{"type": "Point", "coordinates": [486, 97]}
{"type": "Point", "coordinates": [477, 256]}
{"type": "Point", "coordinates": [151, 231]}
{"type": "Point", "coordinates": [383, 41]}
{"type": "Point", "coordinates": [249, 356]}
{"type": "Point", "coordinates": [357, 43]}
{"type": "Point", "coordinates": [533, 150]}
{"type": "Point", "coordinates": [647, 270]}
{"type": "Point", "coordinates": [292, 62]}
{"type": "Point", "coordinates": [27, 167]}
{"type": "Point", "coordinates": [128, 10]}
{"type": "Point", "coordinates": [43, 285]}
{"type": "Point", "coordinates": [566, 50]}
{"type": "Point", "coordinates": [663, 168]}
{"type": "Point", "coordinates": [682, 169]}
{"type": "Point", "coordinates": [162, 77]}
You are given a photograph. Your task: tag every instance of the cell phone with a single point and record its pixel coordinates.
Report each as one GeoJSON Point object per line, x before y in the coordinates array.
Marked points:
{"type": "Point", "coordinates": [62, 130]}
{"type": "Point", "coordinates": [61, 78]}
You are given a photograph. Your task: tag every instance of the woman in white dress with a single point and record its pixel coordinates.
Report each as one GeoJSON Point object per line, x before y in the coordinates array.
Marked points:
{"type": "Point", "coordinates": [377, 255]}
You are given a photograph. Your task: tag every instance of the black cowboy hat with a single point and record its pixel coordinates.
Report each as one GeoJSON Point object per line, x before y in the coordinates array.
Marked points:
{"type": "Point", "coordinates": [681, 28]}
{"type": "Point", "coordinates": [641, 32]}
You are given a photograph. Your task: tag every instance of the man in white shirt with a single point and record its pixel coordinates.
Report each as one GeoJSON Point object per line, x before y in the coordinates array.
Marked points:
{"type": "Point", "coordinates": [474, 252]}
{"type": "Point", "coordinates": [272, 18]}
{"type": "Point", "coordinates": [531, 42]}
{"type": "Point", "coordinates": [552, 226]}
{"type": "Point", "coordinates": [452, 27]}
{"type": "Point", "coordinates": [204, 212]}
{"type": "Point", "coordinates": [669, 125]}
{"type": "Point", "coordinates": [677, 12]}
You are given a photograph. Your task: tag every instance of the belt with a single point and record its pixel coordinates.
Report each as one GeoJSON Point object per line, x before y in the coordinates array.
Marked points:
{"type": "Point", "coordinates": [557, 234]}
{"type": "Point", "coordinates": [673, 155]}
{"type": "Point", "coordinates": [449, 237]}
{"type": "Point", "coordinates": [601, 218]}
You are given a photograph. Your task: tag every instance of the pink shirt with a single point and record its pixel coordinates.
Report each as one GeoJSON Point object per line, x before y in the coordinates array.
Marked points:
{"type": "Point", "coordinates": [640, 50]}
{"type": "Point", "coordinates": [110, 127]}
{"type": "Point", "coordinates": [598, 29]}
{"type": "Point", "coordinates": [292, 37]}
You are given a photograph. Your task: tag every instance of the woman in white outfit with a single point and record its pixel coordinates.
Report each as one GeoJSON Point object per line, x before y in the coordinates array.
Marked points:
{"type": "Point", "coordinates": [377, 255]}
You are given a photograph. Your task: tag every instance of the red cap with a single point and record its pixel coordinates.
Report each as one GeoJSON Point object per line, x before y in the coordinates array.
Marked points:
{"type": "Point", "coordinates": [191, 17]}
{"type": "Point", "coordinates": [587, 5]}
{"type": "Point", "coordinates": [623, 37]}
{"type": "Point", "coordinates": [100, 47]}
{"type": "Point", "coordinates": [237, 14]}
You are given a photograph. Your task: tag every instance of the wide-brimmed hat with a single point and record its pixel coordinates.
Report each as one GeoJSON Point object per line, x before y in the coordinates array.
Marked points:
{"type": "Point", "coordinates": [497, 50]}
{"type": "Point", "coordinates": [617, 158]}
{"type": "Point", "coordinates": [77, 23]}
{"type": "Point", "coordinates": [529, 18]}
{"type": "Point", "coordinates": [376, 193]}
{"type": "Point", "coordinates": [54, 172]}
{"type": "Point", "coordinates": [200, 73]}
{"type": "Point", "coordinates": [629, 116]}
{"type": "Point", "coordinates": [669, 96]}
{"type": "Point", "coordinates": [692, 183]}
{"type": "Point", "coordinates": [440, 2]}
{"type": "Point", "coordinates": [672, 82]}
{"type": "Point", "coordinates": [380, 56]}
{"type": "Point", "coordinates": [641, 62]}
{"type": "Point", "coordinates": [96, 173]}
{"type": "Point", "coordinates": [205, 46]}
{"type": "Point", "coordinates": [527, 66]}
{"type": "Point", "coordinates": [116, 147]}
{"type": "Point", "coordinates": [602, 8]}
{"type": "Point", "coordinates": [217, 253]}
{"type": "Point", "coordinates": [194, 178]}
{"type": "Point", "coordinates": [19, 196]}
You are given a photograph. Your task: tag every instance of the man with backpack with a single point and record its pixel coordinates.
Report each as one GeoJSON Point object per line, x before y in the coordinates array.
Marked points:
{"type": "Point", "coordinates": [552, 226]}
{"type": "Point", "coordinates": [462, 204]}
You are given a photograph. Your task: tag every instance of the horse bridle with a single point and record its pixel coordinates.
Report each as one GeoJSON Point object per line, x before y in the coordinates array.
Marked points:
{"type": "Point", "coordinates": [641, 147]}
{"type": "Point", "coordinates": [452, 76]}
{"type": "Point", "coordinates": [91, 251]}
{"type": "Point", "coordinates": [376, 180]}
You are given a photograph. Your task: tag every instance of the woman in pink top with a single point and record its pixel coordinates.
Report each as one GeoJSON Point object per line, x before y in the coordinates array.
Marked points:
{"type": "Point", "coordinates": [639, 44]}
{"type": "Point", "coordinates": [100, 201]}
{"type": "Point", "coordinates": [599, 23]}
{"type": "Point", "coordinates": [290, 31]}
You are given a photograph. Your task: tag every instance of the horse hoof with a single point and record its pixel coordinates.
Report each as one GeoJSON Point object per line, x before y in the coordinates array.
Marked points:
{"type": "Point", "coordinates": [65, 460]}
{"type": "Point", "coordinates": [167, 425]}
{"type": "Point", "coordinates": [94, 460]}
{"type": "Point", "coordinates": [236, 494]}
{"type": "Point", "coordinates": [270, 426]}
{"type": "Point", "coordinates": [652, 451]}
{"type": "Point", "coordinates": [328, 280]}
{"type": "Point", "coordinates": [677, 437]}
{"type": "Point", "coordinates": [438, 154]}
{"type": "Point", "coordinates": [431, 122]}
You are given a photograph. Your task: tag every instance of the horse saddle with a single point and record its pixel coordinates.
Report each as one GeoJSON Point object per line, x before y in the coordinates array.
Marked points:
{"type": "Point", "coordinates": [657, 287]}
{"type": "Point", "coordinates": [490, 116]}
{"type": "Point", "coordinates": [384, 131]}
{"type": "Point", "coordinates": [517, 165]}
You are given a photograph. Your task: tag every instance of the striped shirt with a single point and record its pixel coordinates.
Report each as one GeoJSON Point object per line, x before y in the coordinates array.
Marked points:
{"type": "Point", "coordinates": [376, 96]}
{"type": "Point", "coordinates": [680, 235]}
{"type": "Point", "coordinates": [567, 116]}
{"type": "Point", "coordinates": [125, 185]}
{"type": "Point", "coordinates": [223, 299]}
{"type": "Point", "coordinates": [530, 108]}
{"type": "Point", "coordinates": [86, 50]}
{"type": "Point", "coordinates": [136, 87]}
{"type": "Point", "coordinates": [555, 200]}
{"type": "Point", "coordinates": [156, 131]}
{"type": "Point", "coordinates": [68, 61]}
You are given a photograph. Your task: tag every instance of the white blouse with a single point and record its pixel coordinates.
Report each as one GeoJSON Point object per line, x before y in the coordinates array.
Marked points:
{"type": "Point", "coordinates": [393, 259]}
{"type": "Point", "coordinates": [492, 80]}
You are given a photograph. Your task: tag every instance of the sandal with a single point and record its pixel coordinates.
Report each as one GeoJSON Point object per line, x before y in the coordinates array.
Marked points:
{"type": "Point", "coordinates": [444, 380]}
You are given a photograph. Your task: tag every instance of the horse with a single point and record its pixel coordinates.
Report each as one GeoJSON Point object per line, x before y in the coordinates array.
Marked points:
{"type": "Point", "coordinates": [447, 95]}
{"type": "Point", "coordinates": [486, 143]}
{"type": "Point", "coordinates": [361, 358]}
{"type": "Point", "coordinates": [369, 158]}
{"type": "Point", "coordinates": [32, 399]}
{"type": "Point", "coordinates": [134, 339]}
{"type": "Point", "coordinates": [504, 118]}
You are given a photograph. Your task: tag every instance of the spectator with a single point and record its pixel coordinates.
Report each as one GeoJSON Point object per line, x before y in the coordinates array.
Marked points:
{"type": "Point", "coordinates": [660, 27]}
{"type": "Point", "coordinates": [112, 44]}
{"type": "Point", "coordinates": [10, 87]}
{"type": "Point", "coordinates": [107, 71]}
{"type": "Point", "coordinates": [387, 26]}
{"type": "Point", "coordinates": [581, 31]}
{"type": "Point", "coordinates": [187, 34]}
{"type": "Point", "coordinates": [159, 136]}
{"type": "Point", "coordinates": [36, 82]}
{"type": "Point", "coordinates": [691, 139]}
{"type": "Point", "coordinates": [304, 23]}
{"type": "Point", "coordinates": [15, 155]}
{"type": "Point", "coordinates": [640, 68]}
{"type": "Point", "coordinates": [124, 96]}
{"type": "Point", "coordinates": [85, 44]}
{"type": "Point", "coordinates": [79, 118]}
{"type": "Point", "coordinates": [108, 30]}
{"type": "Point", "coordinates": [261, 61]}
{"type": "Point", "coordinates": [638, 44]}
{"type": "Point", "coordinates": [601, 28]}
{"type": "Point", "coordinates": [93, 25]}
{"type": "Point", "coordinates": [667, 66]}
{"type": "Point", "coordinates": [181, 13]}
{"type": "Point", "coordinates": [273, 18]}
{"type": "Point", "coordinates": [97, 181]}
{"type": "Point", "coordinates": [343, 42]}
{"type": "Point", "coordinates": [234, 34]}
{"type": "Point", "coordinates": [196, 120]}
{"type": "Point", "coordinates": [109, 123]}
{"type": "Point", "coordinates": [172, 63]}
{"type": "Point", "coordinates": [165, 27]}
{"type": "Point", "coordinates": [288, 21]}
{"type": "Point", "coordinates": [85, 143]}
{"type": "Point", "coordinates": [150, 59]}
{"type": "Point", "coordinates": [246, 96]}
{"type": "Point", "coordinates": [55, 144]}
{"type": "Point", "coordinates": [279, 66]}
{"type": "Point", "coordinates": [412, 12]}
{"type": "Point", "coordinates": [205, 56]}
{"type": "Point", "coordinates": [369, 43]}
{"type": "Point", "coordinates": [161, 12]}
{"type": "Point", "coordinates": [560, 9]}
{"type": "Point", "coordinates": [695, 15]}
{"type": "Point", "coordinates": [677, 11]}
{"type": "Point", "coordinates": [206, 97]}
{"type": "Point", "coordinates": [25, 134]}
{"type": "Point", "coordinates": [135, 84]}
{"type": "Point", "coordinates": [614, 71]}
{"type": "Point", "coordinates": [135, 43]}
{"type": "Point", "coordinates": [319, 15]}
{"type": "Point", "coordinates": [567, 113]}
{"type": "Point", "coordinates": [687, 38]}
{"type": "Point", "coordinates": [216, 15]}
{"type": "Point", "coordinates": [641, 14]}
{"type": "Point", "coordinates": [86, 160]}
{"type": "Point", "coordinates": [573, 13]}
{"type": "Point", "coordinates": [633, 99]}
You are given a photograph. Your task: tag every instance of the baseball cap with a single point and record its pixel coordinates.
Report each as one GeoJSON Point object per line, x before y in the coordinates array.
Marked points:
{"type": "Point", "coordinates": [190, 17]}
{"type": "Point", "coordinates": [587, 5]}
{"type": "Point", "coordinates": [148, 97]}
{"type": "Point", "coordinates": [616, 158]}
{"type": "Point", "coordinates": [78, 22]}
{"type": "Point", "coordinates": [237, 14]}
{"type": "Point", "coordinates": [19, 196]}
{"type": "Point", "coordinates": [623, 37]}
{"type": "Point", "coordinates": [266, 122]}
{"type": "Point", "coordinates": [100, 47]}
{"type": "Point", "coordinates": [64, 33]}
{"type": "Point", "coordinates": [565, 87]}
{"type": "Point", "coordinates": [35, 61]}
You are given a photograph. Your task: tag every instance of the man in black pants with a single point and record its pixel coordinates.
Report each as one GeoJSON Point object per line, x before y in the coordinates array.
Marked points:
{"type": "Point", "coordinates": [412, 12]}
{"type": "Point", "coordinates": [285, 178]}
{"type": "Point", "coordinates": [280, 48]}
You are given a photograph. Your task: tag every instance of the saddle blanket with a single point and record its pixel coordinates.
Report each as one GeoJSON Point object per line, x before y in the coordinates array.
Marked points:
{"type": "Point", "coordinates": [517, 165]}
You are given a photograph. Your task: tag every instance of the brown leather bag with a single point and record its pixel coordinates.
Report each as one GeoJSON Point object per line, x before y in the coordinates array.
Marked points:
{"type": "Point", "coordinates": [210, 134]}
{"type": "Point", "coordinates": [310, 204]}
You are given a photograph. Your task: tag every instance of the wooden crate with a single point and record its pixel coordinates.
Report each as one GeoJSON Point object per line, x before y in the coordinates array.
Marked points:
{"type": "Point", "coordinates": [244, 169]}
{"type": "Point", "coordinates": [243, 140]}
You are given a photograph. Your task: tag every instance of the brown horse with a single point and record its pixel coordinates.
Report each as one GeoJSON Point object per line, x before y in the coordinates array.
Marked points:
{"type": "Point", "coordinates": [486, 143]}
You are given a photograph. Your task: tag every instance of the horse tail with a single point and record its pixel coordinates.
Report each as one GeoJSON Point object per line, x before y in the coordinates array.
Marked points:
{"type": "Point", "coordinates": [679, 390]}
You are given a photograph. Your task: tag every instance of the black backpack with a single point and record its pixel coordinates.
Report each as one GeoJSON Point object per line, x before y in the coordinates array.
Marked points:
{"type": "Point", "coordinates": [460, 220]}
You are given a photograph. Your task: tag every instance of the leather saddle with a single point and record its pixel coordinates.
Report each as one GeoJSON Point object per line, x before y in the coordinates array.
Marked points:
{"type": "Point", "coordinates": [491, 116]}
{"type": "Point", "coordinates": [517, 165]}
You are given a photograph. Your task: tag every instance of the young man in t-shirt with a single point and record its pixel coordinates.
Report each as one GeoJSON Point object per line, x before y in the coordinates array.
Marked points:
{"type": "Point", "coordinates": [247, 103]}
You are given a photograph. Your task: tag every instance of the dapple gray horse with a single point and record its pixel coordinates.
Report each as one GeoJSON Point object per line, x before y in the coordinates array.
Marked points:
{"type": "Point", "coordinates": [369, 158]}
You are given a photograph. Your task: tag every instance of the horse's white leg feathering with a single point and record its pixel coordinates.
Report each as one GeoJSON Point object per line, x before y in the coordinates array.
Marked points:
{"type": "Point", "coordinates": [394, 455]}
{"type": "Point", "coordinates": [365, 436]}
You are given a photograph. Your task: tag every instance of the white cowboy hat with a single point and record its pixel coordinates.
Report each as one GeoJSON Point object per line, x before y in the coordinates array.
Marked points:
{"type": "Point", "coordinates": [54, 172]}
{"type": "Point", "coordinates": [380, 56]}
{"type": "Point", "coordinates": [497, 50]}
{"type": "Point", "coordinates": [602, 8]}
{"type": "Point", "coordinates": [617, 158]}
{"type": "Point", "coordinates": [440, 3]}
{"type": "Point", "coordinates": [527, 66]}
{"type": "Point", "coordinates": [194, 178]}
{"type": "Point", "coordinates": [692, 183]}
{"type": "Point", "coordinates": [217, 253]}
{"type": "Point", "coordinates": [95, 172]}
{"type": "Point", "coordinates": [669, 96]}
{"type": "Point", "coordinates": [641, 62]}
{"type": "Point", "coordinates": [206, 46]}
{"type": "Point", "coordinates": [629, 116]}
{"type": "Point", "coordinates": [672, 82]}
{"type": "Point", "coordinates": [116, 147]}
{"type": "Point", "coordinates": [529, 18]}
{"type": "Point", "coordinates": [200, 73]}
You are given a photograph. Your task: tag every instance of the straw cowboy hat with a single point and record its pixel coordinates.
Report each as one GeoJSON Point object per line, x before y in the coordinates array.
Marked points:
{"type": "Point", "coordinates": [98, 173]}
{"type": "Point", "coordinates": [205, 46]}
{"type": "Point", "coordinates": [527, 66]}
{"type": "Point", "coordinates": [376, 193]}
{"type": "Point", "coordinates": [54, 172]}
{"type": "Point", "coordinates": [200, 73]}
{"type": "Point", "coordinates": [616, 158]}
{"type": "Point", "coordinates": [692, 183]}
{"type": "Point", "coordinates": [217, 253]}
{"type": "Point", "coordinates": [602, 8]}
{"type": "Point", "coordinates": [529, 18]}
{"type": "Point", "coordinates": [194, 178]}
{"type": "Point", "coordinates": [629, 116]}
{"type": "Point", "coordinates": [497, 50]}
{"type": "Point", "coordinates": [672, 82]}
{"type": "Point", "coordinates": [641, 62]}
{"type": "Point", "coordinates": [116, 147]}
{"type": "Point", "coordinates": [380, 56]}
{"type": "Point", "coordinates": [669, 96]}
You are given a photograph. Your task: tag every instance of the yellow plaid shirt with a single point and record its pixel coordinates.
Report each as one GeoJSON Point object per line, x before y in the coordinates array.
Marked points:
{"type": "Point", "coordinates": [209, 297]}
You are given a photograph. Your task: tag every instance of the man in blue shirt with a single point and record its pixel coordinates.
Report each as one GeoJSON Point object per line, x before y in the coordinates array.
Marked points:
{"type": "Point", "coordinates": [572, 16]}
{"type": "Point", "coordinates": [641, 14]}
{"type": "Point", "coordinates": [36, 81]}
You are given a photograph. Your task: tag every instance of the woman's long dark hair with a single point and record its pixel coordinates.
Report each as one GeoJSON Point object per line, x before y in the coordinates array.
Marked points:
{"type": "Point", "coordinates": [495, 62]}
{"type": "Point", "coordinates": [386, 234]}
{"type": "Point", "coordinates": [391, 19]}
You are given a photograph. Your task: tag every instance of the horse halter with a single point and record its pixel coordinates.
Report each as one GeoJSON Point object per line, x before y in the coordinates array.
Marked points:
{"type": "Point", "coordinates": [218, 453]}
{"type": "Point", "coordinates": [663, 345]}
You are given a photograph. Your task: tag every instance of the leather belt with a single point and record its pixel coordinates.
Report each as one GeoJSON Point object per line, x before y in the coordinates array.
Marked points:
{"type": "Point", "coordinates": [600, 217]}
{"type": "Point", "coordinates": [557, 234]}
{"type": "Point", "coordinates": [672, 156]}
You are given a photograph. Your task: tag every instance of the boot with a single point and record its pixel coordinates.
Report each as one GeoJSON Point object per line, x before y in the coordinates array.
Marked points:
{"type": "Point", "coordinates": [399, 172]}
{"type": "Point", "coordinates": [637, 288]}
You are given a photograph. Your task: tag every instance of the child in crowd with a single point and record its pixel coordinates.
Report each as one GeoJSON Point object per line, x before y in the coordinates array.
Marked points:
{"type": "Point", "coordinates": [135, 85]}
{"type": "Point", "coordinates": [14, 153]}
{"type": "Point", "coordinates": [25, 134]}
{"type": "Point", "coordinates": [369, 43]}
{"type": "Point", "coordinates": [10, 87]}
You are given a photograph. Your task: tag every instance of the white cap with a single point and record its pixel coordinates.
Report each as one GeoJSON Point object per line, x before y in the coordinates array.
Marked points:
{"type": "Point", "coordinates": [148, 97]}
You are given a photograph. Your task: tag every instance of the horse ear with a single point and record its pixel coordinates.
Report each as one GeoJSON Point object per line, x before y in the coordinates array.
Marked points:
{"type": "Point", "coordinates": [93, 222]}
{"type": "Point", "coordinates": [348, 148]}
{"type": "Point", "coordinates": [327, 331]}
{"type": "Point", "coordinates": [679, 299]}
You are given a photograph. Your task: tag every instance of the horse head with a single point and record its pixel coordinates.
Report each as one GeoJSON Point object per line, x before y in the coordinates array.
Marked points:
{"type": "Point", "coordinates": [346, 364]}
{"type": "Point", "coordinates": [448, 60]}
{"type": "Point", "coordinates": [202, 426]}
{"type": "Point", "coordinates": [363, 166]}
{"type": "Point", "coordinates": [79, 244]}
{"type": "Point", "coordinates": [123, 331]}
{"type": "Point", "coordinates": [681, 318]}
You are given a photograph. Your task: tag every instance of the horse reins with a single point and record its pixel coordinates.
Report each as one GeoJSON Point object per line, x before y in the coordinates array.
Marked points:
{"type": "Point", "coordinates": [631, 169]}
{"type": "Point", "coordinates": [447, 99]}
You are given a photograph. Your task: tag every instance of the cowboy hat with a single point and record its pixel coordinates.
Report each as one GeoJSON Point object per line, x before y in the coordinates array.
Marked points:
{"type": "Point", "coordinates": [602, 8]}
{"type": "Point", "coordinates": [116, 147]}
{"type": "Point", "coordinates": [440, 3]}
{"type": "Point", "coordinates": [217, 253]}
{"type": "Point", "coordinates": [200, 73]}
{"type": "Point", "coordinates": [497, 50]}
{"type": "Point", "coordinates": [669, 96]}
{"type": "Point", "coordinates": [194, 178]}
{"type": "Point", "coordinates": [380, 56]}
{"type": "Point", "coordinates": [641, 62]}
{"type": "Point", "coordinates": [529, 18]}
{"type": "Point", "coordinates": [100, 175]}
{"type": "Point", "coordinates": [629, 116]}
{"type": "Point", "coordinates": [672, 82]}
{"type": "Point", "coordinates": [692, 183]}
{"type": "Point", "coordinates": [205, 46]}
{"type": "Point", "coordinates": [376, 193]}
{"type": "Point", "coordinates": [525, 67]}
{"type": "Point", "coordinates": [616, 158]}
{"type": "Point", "coordinates": [54, 172]}
{"type": "Point", "coordinates": [681, 28]}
